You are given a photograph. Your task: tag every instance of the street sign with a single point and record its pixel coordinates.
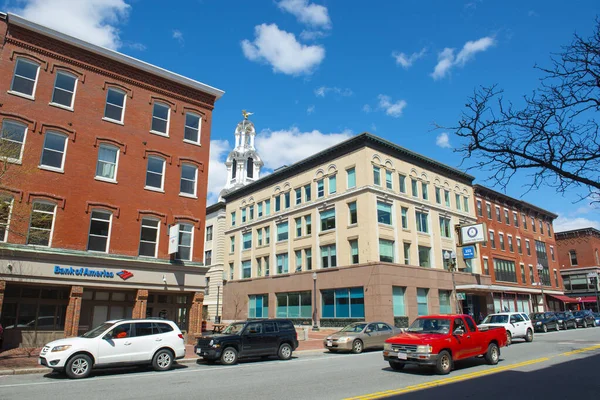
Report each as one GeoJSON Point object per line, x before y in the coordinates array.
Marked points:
{"type": "Point", "coordinates": [468, 252]}
{"type": "Point", "coordinates": [173, 238]}
{"type": "Point", "coordinates": [471, 234]}
{"type": "Point", "coordinates": [460, 296]}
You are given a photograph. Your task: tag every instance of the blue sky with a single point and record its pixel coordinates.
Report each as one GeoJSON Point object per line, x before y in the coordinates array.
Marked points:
{"type": "Point", "coordinates": [315, 72]}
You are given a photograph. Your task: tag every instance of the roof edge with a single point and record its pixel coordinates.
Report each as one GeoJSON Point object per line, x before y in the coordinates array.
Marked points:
{"type": "Point", "coordinates": [525, 204]}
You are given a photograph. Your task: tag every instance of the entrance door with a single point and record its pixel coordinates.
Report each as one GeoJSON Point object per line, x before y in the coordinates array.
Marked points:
{"type": "Point", "coordinates": [99, 315]}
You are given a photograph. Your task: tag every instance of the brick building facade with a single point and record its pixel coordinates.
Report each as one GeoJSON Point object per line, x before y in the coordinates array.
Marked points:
{"type": "Point", "coordinates": [102, 155]}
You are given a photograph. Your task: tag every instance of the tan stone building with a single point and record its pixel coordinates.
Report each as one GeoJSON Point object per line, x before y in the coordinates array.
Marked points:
{"type": "Point", "coordinates": [361, 227]}
{"type": "Point", "coordinates": [214, 254]}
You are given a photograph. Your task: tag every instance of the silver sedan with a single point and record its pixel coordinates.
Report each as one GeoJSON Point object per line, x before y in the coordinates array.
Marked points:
{"type": "Point", "coordinates": [359, 336]}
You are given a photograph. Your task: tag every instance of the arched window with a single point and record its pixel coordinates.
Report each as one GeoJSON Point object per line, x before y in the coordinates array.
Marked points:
{"type": "Point", "coordinates": [250, 168]}
{"type": "Point", "coordinates": [233, 169]}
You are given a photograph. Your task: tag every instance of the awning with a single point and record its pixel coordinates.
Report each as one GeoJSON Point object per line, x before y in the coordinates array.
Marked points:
{"type": "Point", "coordinates": [587, 299]}
{"type": "Point", "coordinates": [565, 299]}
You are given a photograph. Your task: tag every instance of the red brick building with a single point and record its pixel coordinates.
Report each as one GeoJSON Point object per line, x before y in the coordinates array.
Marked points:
{"type": "Point", "coordinates": [578, 256]}
{"type": "Point", "coordinates": [102, 154]}
{"type": "Point", "coordinates": [520, 252]}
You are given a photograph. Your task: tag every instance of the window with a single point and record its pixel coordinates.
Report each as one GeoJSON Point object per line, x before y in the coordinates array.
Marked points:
{"type": "Point", "coordinates": [414, 185]}
{"type": "Point", "coordinates": [386, 250]}
{"type": "Point", "coordinates": [556, 278]}
{"type": "Point", "coordinates": [251, 212]}
{"type": "Point", "coordinates": [424, 256]}
{"type": "Point", "coordinates": [5, 211]}
{"type": "Point", "coordinates": [438, 195]}
{"type": "Point", "coordinates": [332, 184]}
{"type": "Point", "coordinates": [320, 188]}
{"type": "Point", "coordinates": [328, 256]}
{"type": "Point", "coordinates": [501, 240]}
{"type": "Point", "coordinates": [447, 197]}
{"type": "Point", "coordinates": [527, 247]}
{"type": "Point", "coordinates": [506, 217]}
{"type": "Point", "coordinates": [388, 180]}
{"type": "Point", "coordinates": [422, 305]}
{"type": "Point", "coordinates": [25, 77]}
{"type": "Point", "coordinates": [404, 212]}
{"type": "Point", "coordinates": [286, 196]}
{"type": "Point", "coordinates": [524, 221]}
{"type": "Point", "coordinates": [523, 279]}
{"type": "Point", "coordinates": [354, 251]}
{"type": "Point", "coordinates": [64, 89]}
{"type": "Point", "coordinates": [398, 301]}
{"type": "Point", "coordinates": [466, 204]}
{"type": "Point", "coordinates": [99, 231]}
{"type": "Point", "coordinates": [533, 224]}
{"type": "Point", "coordinates": [282, 263]}
{"type": "Point", "coordinates": [41, 224]}
{"type": "Point", "coordinates": [519, 247]}
{"type": "Point", "coordinates": [277, 203]}
{"type": "Point", "coordinates": [115, 105]}
{"type": "Point", "coordinates": [149, 237]}
{"type": "Point", "coordinates": [246, 240]}
{"type": "Point", "coordinates": [328, 219]}
{"type": "Point", "coordinates": [246, 269]}
{"type": "Point", "coordinates": [479, 209]}
{"type": "Point", "coordinates": [298, 260]}
{"type": "Point", "coordinates": [552, 253]}
{"type": "Point", "coordinates": [541, 227]}
{"type": "Point", "coordinates": [267, 234]}
{"type": "Point", "coordinates": [308, 225]}
{"type": "Point", "coordinates": [488, 208]}
{"type": "Point", "coordinates": [402, 184]}
{"type": "Point", "coordinates": [250, 167]}
{"type": "Point", "coordinates": [384, 213]}
{"type": "Point", "coordinates": [298, 196]}
{"type": "Point", "coordinates": [106, 167]}
{"type": "Point", "coordinates": [343, 303]}
{"type": "Point", "coordinates": [189, 176]}
{"type": "Point", "coordinates": [516, 219]}
{"type": "Point", "coordinates": [294, 305]}
{"type": "Point", "coordinates": [260, 210]}
{"type": "Point", "coordinates": [351, 174]}
{"type": "Point", "coordinates": [425, 191]}
{"type": "Point", "coordinates": [352, 212]}
{"type": "Point", "coordinates": [492, 239]}
{"type": "Point", "coordinates": [230, 271]}
{"type": "Point", "coordinates": [268, 207]}
{"type": "Point", "coordinates": [155, 173]}
{"type": "Point", "coordinates": [160, 118]}
{"type": "Point", "coordinates": [233, 218]}
{"type": "Point", "coordinates": [186, 235]}
{"type": "Point", "coordinates": [376, 176]}
{"type": "Point", "coordinates": [406, 253]}
{"type": "Point", "coordinates": [486, 266]}
{"type": "Point", "coordinates": [244, 215]}
{"type": "Point", "coordinates": [192, 128]}
{"type": "Point", "coordinates": [207, 259]}
{"type": "Point", "coordinates": [12, 138]}
{"type": "Point", "coordinates": [505, 270]}
{"type": "Point", "coordinates": [445, 229]}
{"type": "Point", "coordinates": [445, 307]}
{"type": "Point", "coordinates": [258, 306]}
{"type": "Point", "coordinates": [573, 257]}
{"type": "Point", "coordinates": [498, 217]}
{"type": "Point", "coordinates": [510, 244]}
{"type": "Point", "coordinates": [298, 227]}
{"type": "Point", "coordinates": [259, 235]}
{"type": "Point", "coordinates": [53, 153]}
{"type": "Point", "coordinates": [548, 228]}
{"type": "Point", "coordinates": [422, 225]}
{"type": "Point", "coordinates": [306, 193]}
{"type": "Point", "coordinates": [308, 256]}
{"type": "Point", "coordinates": [457, 201]}
{"type": "Point", "coordinates": [282, 231]}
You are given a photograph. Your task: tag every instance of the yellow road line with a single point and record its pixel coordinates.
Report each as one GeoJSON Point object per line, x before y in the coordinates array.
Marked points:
{"type": "Point", "coordinates": [459, 378]}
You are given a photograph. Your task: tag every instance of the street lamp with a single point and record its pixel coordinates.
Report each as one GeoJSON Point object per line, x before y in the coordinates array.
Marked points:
{"type": "Point", "coordinates": [450, 258]}
{"type": "Point", "coordinates": [217, 318]}
{"type": "Point", "coordinates": [315, 327]}
{"type": "Point", "coordinates": [540, 268]}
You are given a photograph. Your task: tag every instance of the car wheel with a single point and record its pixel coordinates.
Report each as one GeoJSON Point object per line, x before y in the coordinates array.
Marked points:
{"type": "Point", "coordinates": [357, 346]}
{"type": "Point", "coordinates": [585, 324]}
{"type": "Point", "coordinates": [529, 336]}
{"type": "Point", "coordinates": [493, 354]}
{"type": "Point", "coordinates": [508, 338]}
{"type": "Point", "coordinates": [574, 325]}
{"type": "Point", "coordinates": [285, 352]}
{"type": "Point", "coordinates": [162, 360]}
{"type": "Point", "coordinates": [594, 323]}
{"type": "Point", "coordinates": [443, 366]}
{"type": "Point", "coordinates": [79, 366]}
{"type": "Point", "coordinates": [557, 326]}
{"type": "Point", "coordinates": [396, 366]}
{"type": "Point", "coordinates": [229, 356]}
{"type": "Point", "coordinates": [564, 326]}
{"type": "Point", "coordinates": [332, 350]}
{"type": "Point", "coordinates": [545, 328]}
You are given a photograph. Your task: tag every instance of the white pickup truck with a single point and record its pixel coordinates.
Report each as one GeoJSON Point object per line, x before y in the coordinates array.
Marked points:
{"type": "Point", "coordinates": [517, 325]}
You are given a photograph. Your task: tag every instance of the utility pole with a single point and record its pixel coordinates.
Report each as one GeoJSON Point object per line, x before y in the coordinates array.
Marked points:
{"type": "Point", "coordinates": [540, 268]}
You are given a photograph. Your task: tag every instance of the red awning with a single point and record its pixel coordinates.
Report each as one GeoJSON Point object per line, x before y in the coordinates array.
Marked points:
{"type": "Point", "coordinates": [565, 299]}
{"type": "Point", "coordinates": [587, 299]}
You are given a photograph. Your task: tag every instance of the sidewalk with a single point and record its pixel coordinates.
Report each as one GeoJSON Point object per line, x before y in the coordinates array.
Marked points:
{"type": "Point", "coordinates": [25, 360]}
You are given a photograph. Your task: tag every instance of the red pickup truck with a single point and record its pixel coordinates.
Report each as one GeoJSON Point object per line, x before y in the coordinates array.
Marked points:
{"type": "Point", "coordinates": [439, 340]}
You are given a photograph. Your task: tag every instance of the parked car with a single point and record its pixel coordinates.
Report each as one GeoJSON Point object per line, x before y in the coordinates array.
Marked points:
{"type": "Point", "coordinates": [566, 320]}
{"type": "Point", "coordinates": [584, 318]}
{"type": "Point", "coordinates": [517, 325]}
{"type": "Point", "coordinates": [116, 343]}
{"type": "Point", "coordinates": [543, 321]}
{"type": "Point", "coordinates": [597, 318]}
{"type": "Point", "coordinates": [439, 340]}
{"type": "Point", "coordinates": [252, 338]}
{"type": "Point", "coordinates": [359, 336]}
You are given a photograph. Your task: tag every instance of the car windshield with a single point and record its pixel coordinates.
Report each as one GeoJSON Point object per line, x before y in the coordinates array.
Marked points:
{"type": "Point", "coordinates": [579, 313]}
{"type": "Point", "coordinates": [234, 328]}
{"type": "Point", "coordinates": [496, 319]}
{"type": "Point", "coordinates": [430, 325]}
{"type": "Point", "coordinates": [561, 315]}
{"type": "Point", "coordinates": [97, 331]}
{"type": "Point", "coordinates": [354, 328]}
{"type": "Point", "coordinates": [539, 316]}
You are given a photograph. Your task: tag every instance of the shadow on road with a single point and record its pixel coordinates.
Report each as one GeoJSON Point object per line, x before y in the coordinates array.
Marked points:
{"type": "Point", "coordinates": [113, 371]}
{"type": "Point", "coordinates": [427, 371]}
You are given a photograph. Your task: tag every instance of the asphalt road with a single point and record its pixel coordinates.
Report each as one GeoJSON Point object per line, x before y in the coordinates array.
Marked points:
{"type": "Point", "coordinates": [556, 365]}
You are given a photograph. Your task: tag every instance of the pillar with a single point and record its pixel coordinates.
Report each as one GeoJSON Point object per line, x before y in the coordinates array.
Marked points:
{"type": "Point", "coordinates": [141, 302]}
{"type": "Point", "coordinates": [73, 311]}
{"type": "Point", "coordinates": [2, 289]}
{"type": "Point", "coordinates": [195, 318]}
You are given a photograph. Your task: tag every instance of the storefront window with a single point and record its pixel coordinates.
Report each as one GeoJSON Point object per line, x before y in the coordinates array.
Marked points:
{"type": "Point", "coordinates": [343, 303]}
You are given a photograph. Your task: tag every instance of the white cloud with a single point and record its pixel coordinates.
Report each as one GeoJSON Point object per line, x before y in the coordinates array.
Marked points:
{"type": "Point", "coordinates": [447, 60]}
{"type": "Point", "coordinates": [443, 140]}
{"type": "Point", "coordinates": [323, 90]}
{"type": "Point", "coordinates": [177, 35]}
{"type": "Point", "coordinates": [310, 109]}
{"type": "Point", "coordinates": [565, 223]}
{"type": "Point", "coordinates": [307, 13]}
{"type": "Point", "coordinates": [135, 46]}
{"type": "Point", "coordinates": [94, 21]}
{"type": "Point", "coordinates": [298, 145]}
{"type": "Point", "coordinates": [312, 35]}
{"type": "Point", "coordinates": [392, 109]}
{"type": "Point", "coordinates": [217, 171]}
{"type": "Point", "coordinates": [407, 61]}
{"type": "Point", "coordinates": [282, 51]}
{"type": "Point", "coordinates": [366, 108]}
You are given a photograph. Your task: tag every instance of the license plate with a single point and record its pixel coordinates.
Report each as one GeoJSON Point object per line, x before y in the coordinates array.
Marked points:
{"type": "Point", "coordinates": [199, 351]}
{"type": "Point", "coordinates": [329, 343]}
{"type": "Point", "coordinates": [402, 356]}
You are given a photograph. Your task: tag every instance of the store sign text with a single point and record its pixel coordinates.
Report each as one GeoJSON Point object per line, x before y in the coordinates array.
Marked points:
{"type": "Point", "coordinates": [93, 273]}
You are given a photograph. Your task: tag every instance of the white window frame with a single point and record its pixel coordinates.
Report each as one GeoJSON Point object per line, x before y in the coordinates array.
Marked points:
{"type": "Point", "coordinates": [45, 212]}
{"type": "Point", "coordinates": [101, 210]}
{"type": "Point", "coordinates": [122, 92]}
{"type": "Point", "coordinates": [37, 75]}
{"type": "Point", "coordinates": [184, 194]}
{"type": "Point", "coordinates": [191, 241]}
{"type": "Point", "coordinates": [64, 153]}
{"type": "Point", "coordinates": [73, 93]}
{"type": "Point", "coordinates": [168, 107]}
{"type": "Point", "coordinates": [156, 244]}
{"type": "Point", "coordinates": [10, 201]}
{"type": "Point", "coordinates": [162, 183]}
{"type": "Point", "coordinates": [102, 178]}
{"type": "Point", "coordinates": [12, 121]}
{"type": "Point", "coordinates": [199, 128]}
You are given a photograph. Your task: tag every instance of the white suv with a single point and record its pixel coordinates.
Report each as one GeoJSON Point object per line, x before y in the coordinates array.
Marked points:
{"type": "Point", "coordinates": [517, 325]}
{"type": "Point", "coordinates": [116, 343]}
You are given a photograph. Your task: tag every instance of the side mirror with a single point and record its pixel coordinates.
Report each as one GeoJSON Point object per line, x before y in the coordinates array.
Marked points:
{"type": "Point", "coordinates": [108, 336]}
{"type": "Point", "coordinates": [459, 331]}
{"type": "Point", "coordinates": [368, 330]}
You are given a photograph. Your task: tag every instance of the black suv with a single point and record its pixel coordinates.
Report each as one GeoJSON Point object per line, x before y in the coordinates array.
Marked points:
{"type": "Point", "coordinates": [584, 318]}
{"type": "Point", "coordinates": [252, 338]}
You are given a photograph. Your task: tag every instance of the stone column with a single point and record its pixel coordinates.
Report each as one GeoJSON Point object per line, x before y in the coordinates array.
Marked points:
{"type": "Point", "coordinates": [195, 318]}
{"type": "Point", "coordinates": [73, 311]}
{"type": "Point", "coordinates": [141, 302]}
